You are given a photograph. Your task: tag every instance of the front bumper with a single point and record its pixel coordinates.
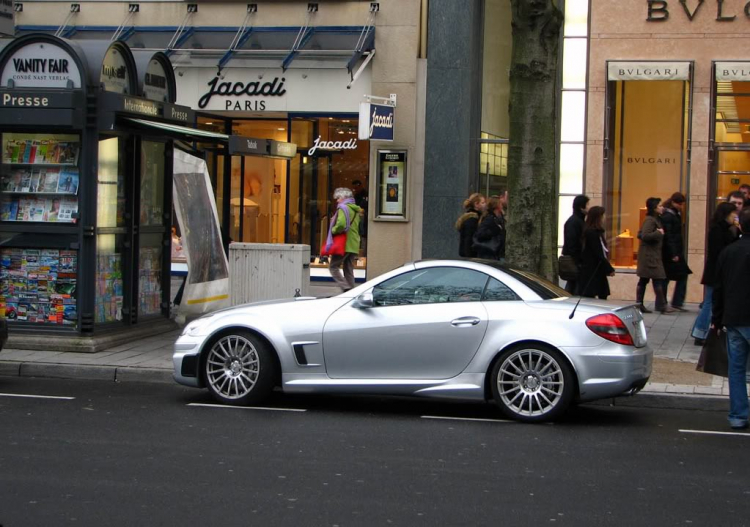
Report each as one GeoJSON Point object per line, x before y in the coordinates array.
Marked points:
{"type": "Point", "coordinates": [186, 361]}
{"type": "Point", "coordinates": [613, 370]}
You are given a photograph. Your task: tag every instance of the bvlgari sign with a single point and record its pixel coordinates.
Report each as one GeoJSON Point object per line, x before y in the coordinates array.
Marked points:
{"type": "Point", "coordinates": [41, 65]}
{"type": "Point", "coordinates": [648, 71]}
{"type": "Point", "coordinates": [263, 90]}
{"type": "Point", "coordinates": [733, 71]}
{"type": "Point", "coordinates": [720, 10]}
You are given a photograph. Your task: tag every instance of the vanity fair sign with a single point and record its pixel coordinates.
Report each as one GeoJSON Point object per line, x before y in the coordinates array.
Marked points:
{"type": "Point", "coordinates": [41, 65]}
{"type": "Point", "coordinates": [270, 90]}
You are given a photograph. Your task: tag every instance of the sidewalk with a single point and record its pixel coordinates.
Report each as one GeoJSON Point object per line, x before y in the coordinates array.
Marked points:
{"type": "Point", "coordinates": [150, 359]}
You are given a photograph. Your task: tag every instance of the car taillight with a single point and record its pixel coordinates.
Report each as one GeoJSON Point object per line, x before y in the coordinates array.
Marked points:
{"type": "Point", "coordinates": [610, 327]}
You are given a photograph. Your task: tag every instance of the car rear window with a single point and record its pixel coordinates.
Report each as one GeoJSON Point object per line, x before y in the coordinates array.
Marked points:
{"type": "Point", "coordinates": [545, 289]}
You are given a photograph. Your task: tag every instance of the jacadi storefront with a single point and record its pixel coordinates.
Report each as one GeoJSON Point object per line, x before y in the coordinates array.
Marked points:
{"type": "Point", "coordinates": [276, 199]}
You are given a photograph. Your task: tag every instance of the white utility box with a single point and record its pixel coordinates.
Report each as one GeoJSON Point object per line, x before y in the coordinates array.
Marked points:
{"type": "Point", "coordinates": [267, 271]}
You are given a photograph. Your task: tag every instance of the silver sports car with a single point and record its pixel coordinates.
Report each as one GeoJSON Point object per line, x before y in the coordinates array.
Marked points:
{"type": "Point", "coordinates": [466, 329]}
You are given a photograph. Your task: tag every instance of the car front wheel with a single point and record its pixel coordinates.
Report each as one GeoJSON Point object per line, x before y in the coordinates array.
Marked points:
{"type": "Point", "coordinates": [239, 368]}
{"type": "Point", "coordinates": [532, 383]}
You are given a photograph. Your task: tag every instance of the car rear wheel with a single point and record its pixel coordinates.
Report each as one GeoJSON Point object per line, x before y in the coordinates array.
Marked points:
{"type": "Point", "coordinates": [532, 383]}
{"type": "Point", "coordinates": [239, 368]}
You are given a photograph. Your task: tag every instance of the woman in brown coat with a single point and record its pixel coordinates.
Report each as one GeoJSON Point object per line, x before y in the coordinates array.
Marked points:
{"type": "Point", "coordinates": [650, 262]}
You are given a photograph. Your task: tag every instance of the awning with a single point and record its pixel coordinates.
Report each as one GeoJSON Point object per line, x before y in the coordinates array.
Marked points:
{"type": "Point", "coordinates": [181, 132]}
{"type": "Point", "coordinates": [204, 46]}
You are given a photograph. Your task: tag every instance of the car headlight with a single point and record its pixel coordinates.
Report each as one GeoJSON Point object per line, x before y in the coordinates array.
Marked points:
{"type": "Point", "coordinates": [197, 327]}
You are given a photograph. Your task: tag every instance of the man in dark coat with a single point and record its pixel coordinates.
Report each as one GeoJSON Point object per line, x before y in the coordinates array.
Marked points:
{"type": "Point", "coordinates": [673, 248]}
{"type": "Point", "coordinates": [731, 310]}
{"type": "Point", "coordinates": [573, 236]}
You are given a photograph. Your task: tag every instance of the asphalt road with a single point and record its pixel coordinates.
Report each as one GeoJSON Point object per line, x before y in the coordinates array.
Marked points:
{"type": "Point", "coordinates": [150, 454]}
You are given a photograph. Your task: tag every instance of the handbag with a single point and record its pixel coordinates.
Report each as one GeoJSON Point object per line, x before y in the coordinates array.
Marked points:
{"type": "Point", "coordinates": [491, 246]}
{"type": "Point", "coordinates": [567, 267]}
{"type": "Point", "coordinates": [713, 357]}
{"type": "Point", "coordinates": [338, 247]}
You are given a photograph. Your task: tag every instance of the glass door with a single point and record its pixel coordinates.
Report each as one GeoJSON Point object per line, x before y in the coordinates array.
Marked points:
{"type": "Point", "coordinates": [152, 236]}
{"type": "Point", "coordinates": [112, 233]}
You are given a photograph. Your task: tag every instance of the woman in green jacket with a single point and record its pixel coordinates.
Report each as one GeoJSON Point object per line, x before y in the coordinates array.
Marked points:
{"type": "Point", "coordinates": [346, 219]}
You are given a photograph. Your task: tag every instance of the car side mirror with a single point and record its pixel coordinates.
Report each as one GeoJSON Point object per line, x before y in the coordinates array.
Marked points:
{"type": "Point", "coordinates": [364, 301]}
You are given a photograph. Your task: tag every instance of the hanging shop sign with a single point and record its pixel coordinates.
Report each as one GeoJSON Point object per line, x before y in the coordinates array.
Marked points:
{"type": "Point", "coordinates": [648, 71]}
{"type": "Point", "coordinates": [155, 82]}
{"type": "Point", "coordinates": [281, 149]}
{"type": "Point", "coordinates": [115, 76]}
{"type": "Point", "coordinates": [257, 90]}
{"type": "Point", "coordinates": [733, 71]}
{"type": "Point", "coordinates": [376, 121]}
{"type": "Point", "coordinates": [319, 144]}
{"type": "Point", "coordinates": [391, 184]}
{"type": "Point", "coordinates": [247, 145]}
{"type": "Point", "coordinates": [41, 65]}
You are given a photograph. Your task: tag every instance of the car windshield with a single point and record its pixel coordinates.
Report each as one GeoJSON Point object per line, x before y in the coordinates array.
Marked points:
{"type": "Point", "coordinates": [545, 289]}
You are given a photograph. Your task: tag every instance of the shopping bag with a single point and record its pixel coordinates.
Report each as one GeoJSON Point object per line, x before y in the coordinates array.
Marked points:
{"type": "Point", "coordinates": [338, 247]}
{"type": "Point", "coordinates": [713, 357]}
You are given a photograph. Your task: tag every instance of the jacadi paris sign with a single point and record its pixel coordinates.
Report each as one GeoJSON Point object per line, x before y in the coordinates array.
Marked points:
{"type": "Point", "coordinates": [376, 121]}
{"type": "Point", "coordinates": [270, 90]}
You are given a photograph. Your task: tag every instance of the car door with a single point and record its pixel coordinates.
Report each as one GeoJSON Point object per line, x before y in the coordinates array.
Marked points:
{"type": "Point", "coordinates": [424, 324]}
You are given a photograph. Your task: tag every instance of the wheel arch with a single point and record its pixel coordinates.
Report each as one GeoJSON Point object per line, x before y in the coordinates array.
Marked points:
{"type": "Point", "coordinates": [228, 331]}
{"type": "Point", "coordinates": [522, 343]}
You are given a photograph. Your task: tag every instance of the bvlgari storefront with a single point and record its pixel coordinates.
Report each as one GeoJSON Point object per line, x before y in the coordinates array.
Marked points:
{"type": "Point", "coordinates": [665, 91]}
{"type": "Point", "coordinates": [275, 200]}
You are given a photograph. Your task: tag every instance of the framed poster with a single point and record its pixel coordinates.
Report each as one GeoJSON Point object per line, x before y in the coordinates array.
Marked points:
{"type": "Point", "coordinates": [391, 184]}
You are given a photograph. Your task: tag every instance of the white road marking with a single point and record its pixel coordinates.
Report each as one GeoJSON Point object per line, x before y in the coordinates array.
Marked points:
{"type": "Point", "coordinates": [712, 432]}
{"type": "Point", "coordinates": [248, 407]}
{"type": "Point", "coordinates": [36, 396]}
{"type": "Point", "coordinates": [466, 419]}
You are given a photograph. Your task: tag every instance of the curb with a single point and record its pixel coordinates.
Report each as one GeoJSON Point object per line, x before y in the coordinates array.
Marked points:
{"type": "Point", "coordinates": [76, 371]}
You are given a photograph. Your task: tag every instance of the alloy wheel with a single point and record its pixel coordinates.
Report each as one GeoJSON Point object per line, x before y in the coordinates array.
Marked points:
{"type": "Point", "coordinates": [233, 366]}
{"type": "Point", "coordinates": [530, 382]}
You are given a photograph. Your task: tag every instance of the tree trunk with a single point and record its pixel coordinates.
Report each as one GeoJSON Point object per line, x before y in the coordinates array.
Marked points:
{"type": "Point", "coordinates": [532, 214]}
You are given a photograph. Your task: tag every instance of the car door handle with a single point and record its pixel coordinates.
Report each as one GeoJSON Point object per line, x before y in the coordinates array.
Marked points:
{"type": "Point", "coordinates": [465, 321]}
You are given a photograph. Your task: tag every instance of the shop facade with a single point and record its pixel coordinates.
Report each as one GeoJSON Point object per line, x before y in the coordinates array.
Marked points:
{"type": "Point", "coordinates": [86, 193]}
{"type": "Point", "coordinates": [293, 72]}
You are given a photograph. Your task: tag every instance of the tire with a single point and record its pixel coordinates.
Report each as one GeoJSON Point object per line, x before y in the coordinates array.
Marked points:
{"type": "Point", "coordinates": [239, 368]}
{"type": "Point", "coordinates": [532, 383]}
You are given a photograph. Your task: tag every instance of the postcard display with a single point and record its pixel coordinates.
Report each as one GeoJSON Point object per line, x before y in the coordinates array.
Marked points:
{"type": "Point", "coordinates": [39, 183]}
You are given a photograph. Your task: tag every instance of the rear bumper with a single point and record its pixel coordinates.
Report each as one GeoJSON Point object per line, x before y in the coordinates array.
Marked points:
{"type": "Point", "coordinates": [612, 371]}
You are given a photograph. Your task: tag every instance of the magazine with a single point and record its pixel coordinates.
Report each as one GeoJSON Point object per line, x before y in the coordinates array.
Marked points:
{"type": "Point", "coordinates": [36, 210]}
{"type": "Point", "coordinates": [25, 182]}
{"type": "Point", "coordinates": [68, 181]}
{"type": "Point", "coordinates": [24, 206]}
{"type": "Point", "coordinates": [50, 181]}
{"type": "Point", "coordinates": [68, 210]}
{"type": "Point", "coordinates": [36, 175]}
{"type": "Point", "coordinates": [52, 209]}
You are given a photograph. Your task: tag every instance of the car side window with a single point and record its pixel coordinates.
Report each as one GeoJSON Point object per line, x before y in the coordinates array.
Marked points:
{"type": "Point", "coordinates": [498, 291]}
{"type": "Point", "coordinates": [433, 285]}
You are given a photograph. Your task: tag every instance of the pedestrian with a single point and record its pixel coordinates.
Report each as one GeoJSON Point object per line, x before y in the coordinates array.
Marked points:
{"type": "Point", "coordinates": [573, 237]}
{"type": "Point", "coordinates": [501, 222]}
{"type": "Point", "coordinates": [345, 219]}
{"type": "Point", "coordinates": [673, 250]}
{"type": "Point", "coordinates": [745, 190]}
{"type": "Point", "coordinates": [489, 240]}
{"type": "Point", "coordinates": [650, 263]}
{"type": "Point", "coordinates": [468, 223]}
{"type": "Point", "coordinates": [731, 313]}
{"type": "Point", "coordinates": [720, 234]}
{"type": "Point", "coordinates": [595, 266]}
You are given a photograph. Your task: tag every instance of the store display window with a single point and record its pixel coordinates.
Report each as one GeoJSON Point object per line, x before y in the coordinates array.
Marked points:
{"type": "Point", "coordinates": [39, 285]}
{"type": "Point", "coordinates": [731, 135]}
{"type": "Point", "coordinates": [39, 179]}
{"type": "Point", "coordinates": [149, 275]}
{"type": "Point", "coordinates": [647, 131]}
